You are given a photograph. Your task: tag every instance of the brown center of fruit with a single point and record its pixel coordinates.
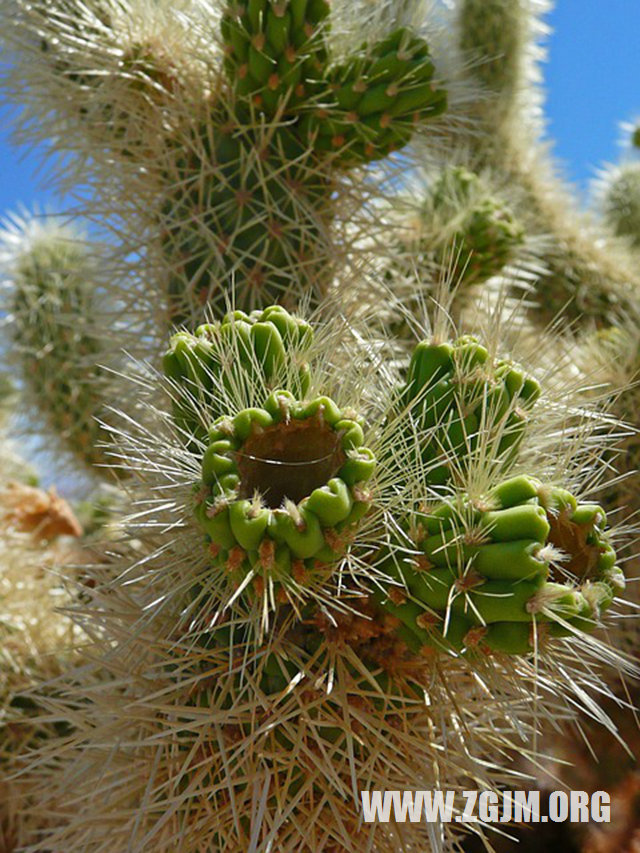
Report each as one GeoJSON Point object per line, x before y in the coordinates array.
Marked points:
{"type": "Point", "coordinates": [289, 460]}
{"type": "Point", "coordinates": [571, 538]}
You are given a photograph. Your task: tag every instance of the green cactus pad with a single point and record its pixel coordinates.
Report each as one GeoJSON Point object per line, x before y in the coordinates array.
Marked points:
{"type": "Point", "coordinates": [283, 489]}
{"type": "Point", "coordinates": [456, 394]}
{"type": "Point", "coordinates": [526, 553]}
{"type": "Point", "coordinates": [260, 344]}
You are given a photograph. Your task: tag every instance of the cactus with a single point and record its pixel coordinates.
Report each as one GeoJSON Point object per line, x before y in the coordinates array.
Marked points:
{"type": "Point", "coordinates": [260, 145]}
{"type": "Point", "coordinates": [466, 402]}
{"type": "Point", "coordinates": [265, 343]}
{"type": "Point", "coordinates": [356, 548]}
{"type": "Point", "coordinates": [36, 641]}
{"type": "Point", "coordinates": [283, 489]}
{"type": "Point", "coordinates": [292, 120]}
{"type": "Point", "coordinates": [620, 201]}
{"type": "Point", "coordinates": [52, 313]}
{"type": "Point", "coordinates": [489, 572]}
{"type": "Point", "coordinates": [495, 35]}
{"type": "Point", "coordinates": [486, 238]}
{"type": "Point", "coordinates": [461, 232]}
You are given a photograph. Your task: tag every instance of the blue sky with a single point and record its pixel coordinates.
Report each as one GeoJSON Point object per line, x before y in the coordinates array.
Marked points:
{"type": "Point", "coordinates": [592, 80]}
{"type": "Point", "coordinates": [592, 83]}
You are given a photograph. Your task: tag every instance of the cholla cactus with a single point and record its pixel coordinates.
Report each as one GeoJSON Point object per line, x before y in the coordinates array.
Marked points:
{"type": "Point", "coordinates": [51, 313]}
{"type": "Point", "coordinates": [238, 133]}
{"type": "Point", "coordinates": [451, 225]}
{"type": "Point", "coordinates": [586, 277]}
{"type": "Point", "coordinates": [359, 547]}
{"type": "Point", "coordinates": [287, 665]}
{"type": "Point", "coordinates": [619, 193]}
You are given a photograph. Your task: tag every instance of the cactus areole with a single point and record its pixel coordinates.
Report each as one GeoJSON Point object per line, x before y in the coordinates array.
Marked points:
{"type": "Point", "coordinates": [283, 487]}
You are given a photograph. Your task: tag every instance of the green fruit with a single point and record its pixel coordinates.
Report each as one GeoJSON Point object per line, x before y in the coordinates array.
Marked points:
{"type": "Point", "coordinates": [496, 568]}
{"type": "Point", "coordinates": [273, 494]}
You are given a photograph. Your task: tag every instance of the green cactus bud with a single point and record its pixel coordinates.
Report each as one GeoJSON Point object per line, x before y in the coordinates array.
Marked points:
{"type": "Point", "coordinates": [455, 393]}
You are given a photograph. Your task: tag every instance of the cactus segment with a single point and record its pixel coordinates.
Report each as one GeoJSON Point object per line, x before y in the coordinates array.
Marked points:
{"type": "Point", "coordinates": [281, 491]}
{"type": "Point", "coordinates": [261, 344]}
{"type": "Point", "coordinates": [621, 201]}
{"type": "Point", "coordinates": [55, 331]}
{"type": "Point", "coordinates": [482, 233]}
{"type": "Point", "coordinates": [275, 53]}
{"type": "Point", "coordinates": [456, 394]}
{"type": "Point", "coordinates": [375, 99]}
{"type": "Point", "coordinates": [264, 181]}
{"type": "Point", "coordinates": [541, 556]}
{"type": "Point", "coordinates": [494, 33]}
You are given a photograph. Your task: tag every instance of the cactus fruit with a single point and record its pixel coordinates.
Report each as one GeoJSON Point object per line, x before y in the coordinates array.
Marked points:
{"type": "Point", "coordinates": [620, 201]}
{"type": "Point", "coordinates": [465, 402]}
{"type": "Point", "coordinates": [283, 488]}
{"type": "Point", "coordinates": [492, 572]}
{"type": "Point", "coordinates": [265, 347]}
